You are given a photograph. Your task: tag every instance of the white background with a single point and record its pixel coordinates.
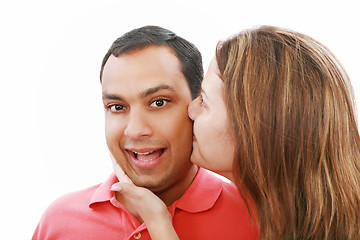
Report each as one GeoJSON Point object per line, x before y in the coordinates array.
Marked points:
{"type": "Point", "coordinates": [52, 128]}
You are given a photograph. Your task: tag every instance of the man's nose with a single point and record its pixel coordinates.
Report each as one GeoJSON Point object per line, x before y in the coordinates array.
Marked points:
{"type": "Point", "coordinates": [137, 126]}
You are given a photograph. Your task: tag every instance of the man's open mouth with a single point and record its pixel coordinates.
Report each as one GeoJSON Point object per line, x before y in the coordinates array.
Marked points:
{"type": "Point", "coordinates": [147, 156]}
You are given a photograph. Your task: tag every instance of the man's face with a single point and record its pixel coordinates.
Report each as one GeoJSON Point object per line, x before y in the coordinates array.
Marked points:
{"type": "Point", "coordinates": [147, 128]}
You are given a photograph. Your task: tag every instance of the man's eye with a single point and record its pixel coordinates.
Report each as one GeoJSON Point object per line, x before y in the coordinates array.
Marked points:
{"type": "Point", "coordinates": [159, 103]}
{"type": "Point", "coordinates": [116, 108]}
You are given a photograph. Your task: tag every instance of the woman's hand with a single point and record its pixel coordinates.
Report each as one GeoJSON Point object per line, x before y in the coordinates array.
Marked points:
{"type": "Point", "coordinates": [147, 205]}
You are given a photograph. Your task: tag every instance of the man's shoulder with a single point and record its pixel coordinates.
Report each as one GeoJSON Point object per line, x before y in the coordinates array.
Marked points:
{"type": "Point", "coordinates": [78, 196]}
{"type": "Point", "coordinates": [71, 217]}
{"type": "Point", "coordinates": [208, 190]}
{"type": "Point", "coordinates": [217, 210]}
{"type": "Point", "coordinates": [229, 195]}
{"type": "Point", "coordinates": [85, 197]}
{"type": "Point", "coordinates": [73, 200]}
{"type": "Point", "coordinates": [215, 180]}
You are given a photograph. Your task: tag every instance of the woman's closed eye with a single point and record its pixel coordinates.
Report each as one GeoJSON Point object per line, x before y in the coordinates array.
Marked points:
{"type": "Point", "coordinates": [201, 100]}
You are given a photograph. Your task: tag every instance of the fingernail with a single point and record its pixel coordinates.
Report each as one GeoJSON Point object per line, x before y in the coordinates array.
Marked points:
{"type": "Point", "coordinates": [115, 188]}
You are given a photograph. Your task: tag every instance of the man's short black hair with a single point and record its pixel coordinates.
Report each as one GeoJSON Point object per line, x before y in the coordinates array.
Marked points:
{"type": "Point", "coordinates": [187, 53]}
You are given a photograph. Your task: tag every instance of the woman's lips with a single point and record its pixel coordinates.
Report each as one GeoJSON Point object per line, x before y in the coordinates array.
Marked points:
{"type": "Point", "coordinates": [194, 138]}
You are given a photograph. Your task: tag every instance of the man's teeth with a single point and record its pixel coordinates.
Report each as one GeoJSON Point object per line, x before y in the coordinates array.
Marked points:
{"type": "Point", "coordinates": [141, 154]}
{"type": "Point", "coordinates": [144, 153]}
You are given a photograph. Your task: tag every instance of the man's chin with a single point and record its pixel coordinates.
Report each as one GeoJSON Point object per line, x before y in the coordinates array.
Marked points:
{"type": "Point", "coordinates": [154, 186]}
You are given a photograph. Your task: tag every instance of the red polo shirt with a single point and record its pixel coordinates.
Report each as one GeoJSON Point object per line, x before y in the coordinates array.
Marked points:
{"type": "Point", "coordinates": [209, 209]}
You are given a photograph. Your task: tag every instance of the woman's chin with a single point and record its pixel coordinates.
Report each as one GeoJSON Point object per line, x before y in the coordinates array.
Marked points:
{"type": "Point", "coordinates": [196, 159]}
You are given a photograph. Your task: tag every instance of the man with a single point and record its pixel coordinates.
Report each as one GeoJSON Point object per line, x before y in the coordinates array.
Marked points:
{"type": "Point", "coordinates": [149, 76]}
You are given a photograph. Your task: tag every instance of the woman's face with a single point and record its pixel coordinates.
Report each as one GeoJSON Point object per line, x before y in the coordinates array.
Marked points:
{"type": "Point", "coordinates": [213, 142]}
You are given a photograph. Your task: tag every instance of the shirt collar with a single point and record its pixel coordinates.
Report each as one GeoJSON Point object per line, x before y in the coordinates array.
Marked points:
{"type": "Point", "coordinates": [202, 193]}
{"type": "Point", "coordinates": [200, 196]}
{"type": "Point", "coordinates": [103, 192]}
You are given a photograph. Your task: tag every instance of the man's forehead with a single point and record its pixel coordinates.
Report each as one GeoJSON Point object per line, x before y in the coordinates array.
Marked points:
{"type": "Point", "coordinates": [144, 72]}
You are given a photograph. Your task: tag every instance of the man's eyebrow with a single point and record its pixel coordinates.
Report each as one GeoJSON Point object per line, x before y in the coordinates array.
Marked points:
{"type": "Point", "coordinates": [110, 96]}
{"type": "Point", "coordinates": [143, 94]}
{"type": "Point", "coordinates": [156, 89]}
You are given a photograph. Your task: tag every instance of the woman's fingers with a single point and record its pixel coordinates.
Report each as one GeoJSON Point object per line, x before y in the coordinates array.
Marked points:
{"type": "Point", "coordinates": [138, 194]}
{"type": "Point", "coordinates": [118, 171]}
{"type": "Point", "coordinates": [128, 189]}
{"type": "Point", "coordinates": [147, 205]}
{"type": "Point", "coordinates": [116, 187]}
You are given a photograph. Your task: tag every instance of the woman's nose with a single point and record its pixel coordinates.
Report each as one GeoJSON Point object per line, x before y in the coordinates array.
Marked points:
{"type": "Point", "coordinates": [192, 109]}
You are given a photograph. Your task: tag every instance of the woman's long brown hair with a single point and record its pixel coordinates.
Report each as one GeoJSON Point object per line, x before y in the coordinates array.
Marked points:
{"type": "Point", "coordinates": [298, 148]}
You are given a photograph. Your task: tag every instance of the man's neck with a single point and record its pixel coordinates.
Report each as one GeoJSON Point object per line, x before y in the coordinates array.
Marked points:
{"type": "Point", "coordinates": [172, 194]}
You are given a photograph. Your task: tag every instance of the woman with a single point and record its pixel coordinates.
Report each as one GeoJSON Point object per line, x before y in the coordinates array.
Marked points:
{"type": "Point", "coordinates": [280, 111]}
